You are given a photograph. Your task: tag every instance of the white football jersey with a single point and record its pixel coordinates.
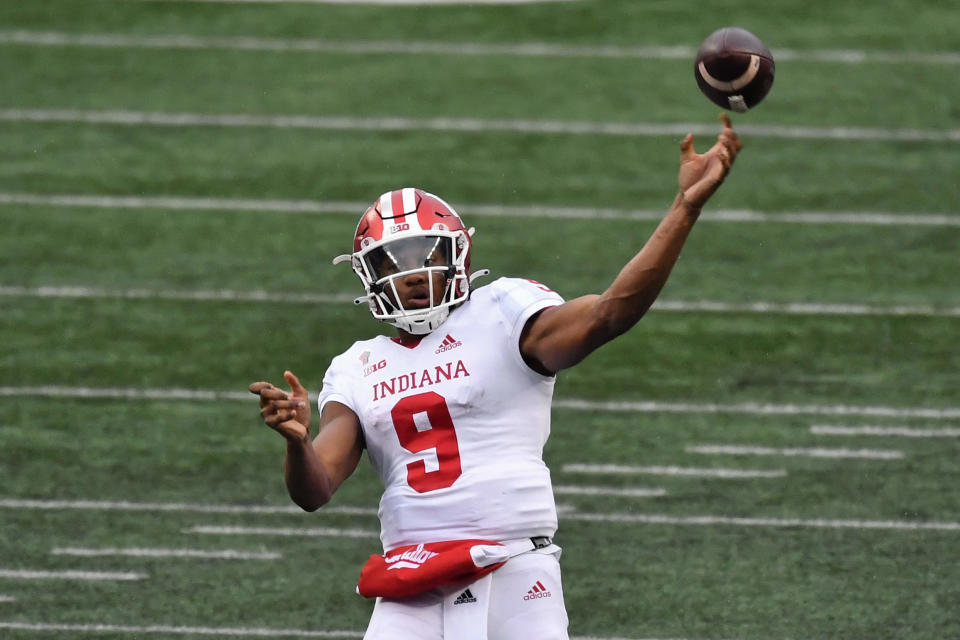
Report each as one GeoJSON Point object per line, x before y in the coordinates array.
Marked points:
{"type": "Point", "coordinates": [455, 426]}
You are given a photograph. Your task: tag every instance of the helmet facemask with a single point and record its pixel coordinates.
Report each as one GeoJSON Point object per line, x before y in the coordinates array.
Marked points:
{"type": "Point", "coordinates": [385, 267]}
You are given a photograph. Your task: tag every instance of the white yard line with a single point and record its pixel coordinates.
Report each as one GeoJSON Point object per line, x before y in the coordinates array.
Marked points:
{"type": "Point", "coordinates": [228, 554]}
{"type": "Point", "coordinates": [134, 630]}
{"type": "Point", "coordinates": [283, 531]}
{"type": "Point", "coordinates": [183, 203]}
{"type": "Point", "coordinates": [369, 2]}
{"type": "Point", "coordinates": [220, 295]}
{"type": "Point", "coordinates": [378, 47]}
{"type": "Point", "coordinates": [174, 203]}
{"type": "Point", "coordinates": [678, 306]}
{"type": "Point", "coordinates": [752, 408]}
{"type": "Point", "coordinates": [634, 518]}
{"type": "Point", "coordinates": [125, 394]}
{"type": "Point", "coordinates": [568, 513]}
{"type": "Point", "coordinates": [575, 404]}
{"type": "Point", "coordinates": [50, 627]}
{"type": "Point", "coordinates": [805, 308]}
{"type": "Point", "coordinates": [903, 432]}
{"type": "Point", "coordinates": [7, 598]}
{"type": "Point", "coordinates": [620, 469]}
{"type": "Point", "coordinates": [869, 454]}
{"type": "Point", "coordinates": [473, 125]}
{"type": "Point", "coordinates": [25, 574]}
{"type": "Point", "coordinates": [574, 490]}
{"type": "Point", "coordinates": [123, 505]}
{"type": "Point", "coordinates": [229, 632]}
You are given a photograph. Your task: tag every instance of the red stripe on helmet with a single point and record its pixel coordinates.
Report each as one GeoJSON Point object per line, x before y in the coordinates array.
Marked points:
{"type": "Point", "coordinates": [396, 200]}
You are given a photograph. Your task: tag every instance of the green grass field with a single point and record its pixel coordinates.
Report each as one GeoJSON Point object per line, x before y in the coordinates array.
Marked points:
{"type": "Point", "coordinates": [133, 254]}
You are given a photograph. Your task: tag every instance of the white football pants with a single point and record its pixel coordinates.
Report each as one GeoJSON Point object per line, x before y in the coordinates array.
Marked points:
{"type": "Point", "coordinates": [522, 600]}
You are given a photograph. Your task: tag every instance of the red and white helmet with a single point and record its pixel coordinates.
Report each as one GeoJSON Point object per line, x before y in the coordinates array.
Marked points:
{"type": "Point", "coordinates": [404, 232]}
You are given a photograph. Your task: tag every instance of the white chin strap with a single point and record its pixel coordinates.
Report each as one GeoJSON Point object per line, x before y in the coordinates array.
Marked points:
{"type": "Point", "coordinates": [424, 325]}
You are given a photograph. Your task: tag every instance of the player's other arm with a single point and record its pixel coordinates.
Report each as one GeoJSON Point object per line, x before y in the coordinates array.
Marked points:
{"type": "Point", "coordinates": [313, 469]}
{"type": "Point", "coordinates": [560, 337]}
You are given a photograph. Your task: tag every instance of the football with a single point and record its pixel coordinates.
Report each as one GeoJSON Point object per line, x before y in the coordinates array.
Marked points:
{"type": "Point", "coordinates": [734, 69]}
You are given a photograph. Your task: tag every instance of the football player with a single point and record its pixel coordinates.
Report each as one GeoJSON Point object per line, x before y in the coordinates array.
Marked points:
{"type": "Point", "coordinates": [454, 412]}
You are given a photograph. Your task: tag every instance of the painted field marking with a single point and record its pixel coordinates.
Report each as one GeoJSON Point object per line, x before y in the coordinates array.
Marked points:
{"type": "Point", "coordinates": [167, 553]}
{"type": "Point", "coordinates": [620, 469]}
{"type": "Point", "coordinates": [634, 518]}
{"type": "Point", "coordinates": [123, 505]}
{"type": "Point", "coordinates": [805, 308]}
{"type": "Point", "coordinates": [573, 404]}
{"type": "Point", "coordinates": [283, 531]}
{"type": "Point", "coordinates": [258, 632]}
{"type": "Point", "coordinates": [750, 408]}
{"type": "Point", "coordinates": [569, 513]}
{"type": "Point", "coordinates": [521, 49]}
{"type": "Point", "coordinates": [171, 203]}
{"type": "Point", "coordinates": [904, 432]}
{"type": "Point", "coordinates": [47, 627]}
{"type": "Point", "coordinates": [4, 598]}
{"type": "Point", "coordinates": [104, 505]}
{"type": "Point", "coordinates": [369, 2]}
{"type": "Point", "coordinates": [25, 574]}
{"type": "Point", "coordinates": [471, 125]}
{"type": "Point", "coordinates": [220, 295]}
{"type": "Point", "coordinates": [675, 306]}
{"type": "Point", "coordinates": [573, 490]}
{"type": "Point", "coordinates": [870, 454]}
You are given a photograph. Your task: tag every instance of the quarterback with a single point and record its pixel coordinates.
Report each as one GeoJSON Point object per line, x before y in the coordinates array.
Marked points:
{"type": "Point", "coordinates": [454, 412]}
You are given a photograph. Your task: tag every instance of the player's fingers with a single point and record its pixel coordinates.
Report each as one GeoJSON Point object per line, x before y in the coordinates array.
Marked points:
{"type": "Point", "coordinates": [294, 383]}
{"type": "Point", "coordinates": [274, 394]}
{"type": "Point", "coordinates": [686, 147]}
{"type": "Point", "coordinates": [726, 158]}
{"type": "Point", "coordinates": [729, 146]}
{"type": "Point", "coordinates": [267, 410]}
{"type": "Point", "coordinates": [730, 140]}
{"type": "Point", "coordinates": [729, 132]}
{"type": "Point", "coordinates": [273, 416]}
{"type": "Point", "coordinates": [287, 404]}
{"type": "Point", "coordinates": [257, 387]}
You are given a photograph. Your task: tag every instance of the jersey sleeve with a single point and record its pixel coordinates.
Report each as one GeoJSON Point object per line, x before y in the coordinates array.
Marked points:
{"type": "Point", "coordinates": [519, 299]}
{"type": "Point", "coordinates": [337, 385]}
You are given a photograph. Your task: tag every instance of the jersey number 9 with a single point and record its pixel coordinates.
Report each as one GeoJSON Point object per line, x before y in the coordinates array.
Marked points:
{"type": "Point", "coordinates": [441, 436]}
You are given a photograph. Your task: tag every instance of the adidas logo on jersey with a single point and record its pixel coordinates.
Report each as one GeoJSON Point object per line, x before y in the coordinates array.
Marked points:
{"type": "Point", "coordinates": [537, 591]}
{"type": "Point", "coordinates": [465, 598]}
{"type": "Point", "coordinates": [448, 343]}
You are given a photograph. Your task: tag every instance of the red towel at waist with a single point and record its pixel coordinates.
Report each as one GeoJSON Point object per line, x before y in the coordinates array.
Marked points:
{"type": "Point", "coordinates": [407, 571]}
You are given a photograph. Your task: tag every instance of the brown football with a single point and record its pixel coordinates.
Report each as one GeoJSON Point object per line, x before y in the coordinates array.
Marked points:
{"type": "Point", "coordinates": [734, 69]}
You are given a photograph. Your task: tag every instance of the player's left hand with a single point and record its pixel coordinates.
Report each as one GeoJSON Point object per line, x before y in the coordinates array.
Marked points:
{"type": "Point", "coordinates": [701, 174]}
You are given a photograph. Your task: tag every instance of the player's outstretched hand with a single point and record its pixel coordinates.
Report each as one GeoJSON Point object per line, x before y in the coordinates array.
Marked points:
{"type": "Point", "coordinates": [701, 174]}
{"type": "Point", "coordinates": [286, 413]}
